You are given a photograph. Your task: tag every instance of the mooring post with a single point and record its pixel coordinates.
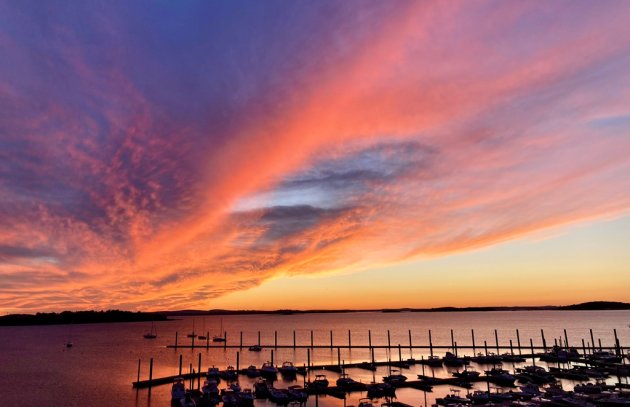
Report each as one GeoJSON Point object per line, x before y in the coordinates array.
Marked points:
{"type": "Point", "coordinates": [272, 364]}
{"type": "Point", "coordinates": [331, 339]}
{"type": "Point", "coordinates": [370, 338]}
{"type": "Point", "coordinates": [472, 334]}
{"type": "Point", "coordinates": [518, 342]}
{"type": "Point", "coordinates": [555, 341]}
{"type": "Point", "coordinates": [583, 348]}
{"type": "Point", "coordinates": [207, 339]}
{"type": "Point", "coordinates": [339, 356]}
{"type": "Point", "coordinates": [544, 342]}
{"type": "Point", "coordinates": [531, 344]}
{"type": "Point", "coordinates": [399, 354]}
{"type": "Point", "coordinates": [180, 364]}
{"type": "Point", "coordinates": [308, 363]}
{"type": "Point", "coordinates": [191, 376]}
{"type": "Point", "coordinates": [410, 346]}
{"type": "Point", "coordinates": [224, 340]}
{"type": "Point", "coordinates": [373, 360]}
{"type": "Point", "coordinates": [452, 340]}
{"type": "Point", "coordinates": [241, 341]}
{"type": "Point", "coordinates": [617, 350]}
{"type": "Point", "coordinates": [275, 339]}
{"type": "Point", "coordinates": [199, 371]}
{"type": "Point", "coordinates": [349, 340]}
{"type": "Point", "coordinates": [389, 341]}
{"type": "Point", "coordinates": [592, 341]}
{"type": "Point", "coordinates": [150, 374]}
{"type": "Point", "coordinates": [238, 361]}
{"type": "Point", "coordinates": [192, 343]}
{"type": "Point", "coordinates": [496, 339]}
{"type": "Point", "coordinates": [455, 347]}
{"type": "Point", "coordinates": [311, 338]}
{"type": "Point", "coordinates": [485, 347]}
{"type": "Point", "coordinates": [511, 348]}
{"type": "Point", "coordinates": [566, 339]}
{"type": "Point", "coordinates": [294, 339]}
{"type": "Point", "coordinates": [138, 380]}
{"type": "Point", "coordinates": [175, 339]}
{"type": "Point", "coordinates": [430, 344]}
{"type": "Point", "coordinates": [599, 340]}
{"type": "Point", "coordinates": [258, 338]}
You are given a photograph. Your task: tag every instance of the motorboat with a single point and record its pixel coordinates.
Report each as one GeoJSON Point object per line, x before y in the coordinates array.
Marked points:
{"type": "Point", "coordinates": [178, 389]}
{"type": "Point", "coordinates": [252, 371]}
{"type": "Point", "coordinates": [255, 348]}
{"type": "Point", "coordinates": [320, 382]}
{"type": "Point", "coordinates": [268, 370]}
{"type": "Point", "coordinates": [287, 369]}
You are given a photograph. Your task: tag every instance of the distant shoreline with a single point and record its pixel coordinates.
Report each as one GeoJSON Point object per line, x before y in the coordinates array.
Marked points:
{"type": "Point", "coordinates": [110, 316]}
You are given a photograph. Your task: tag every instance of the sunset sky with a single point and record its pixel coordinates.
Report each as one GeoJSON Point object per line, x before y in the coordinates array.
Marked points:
{"type": "Point", "coordinates": [293, 154]}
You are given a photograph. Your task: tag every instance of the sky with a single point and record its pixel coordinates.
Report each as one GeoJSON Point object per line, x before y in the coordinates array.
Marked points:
{"type": "Point", "coordinates": [333, 154]}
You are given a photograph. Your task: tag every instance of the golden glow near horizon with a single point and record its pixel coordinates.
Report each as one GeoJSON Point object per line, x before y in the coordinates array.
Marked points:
{"type": "Point", "coordinates": [171, 156]}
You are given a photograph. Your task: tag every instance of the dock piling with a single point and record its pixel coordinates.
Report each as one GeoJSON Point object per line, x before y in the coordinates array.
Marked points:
{"type": "Point", "coordinates": [430, 344]}
{"type": "Point", "coordinates": [370, 338]}
{"type": "Point", "coordinates": [472, 334]}
{"type": "Point", "coordinates": [180, 364]}
{"type": "Point", "coordinates": [294, 339]}
{"type": "Point", "coordinates": [311, 338]}
{"type": "Point", "coordinates": [258, 338]}
{"type": "Point", "coordinates": [518, 342]}
{"type": "Point", "coordinates": [566, 339]}
{"type": "Point", "coordinates": [275, 339]}
{"type": "Point", "coordinates": [331, 339]}
{"type": "Point", "coordinates": [238, 361]}
{"type": "Point", "coordinates": [241, 341]}
{"type": "Point", "coordinates": [349, 339]}
{"type": "Point", "coordinates": [544, 342]}
{"type": "Point", "coordinates": [389, 341]}
{"type": "Point", "coordinates": [199, 370]}
{"type": "Point", "coordinates": [592, 341]}
{"type": "Point", "coordinates": [138, 380]}
{"type": "Point", "coordinates": [496, 339]}
{"type": "Point", "coordinates": [272, 364]}
{"type": "Point", "coordinates": [150, 374]}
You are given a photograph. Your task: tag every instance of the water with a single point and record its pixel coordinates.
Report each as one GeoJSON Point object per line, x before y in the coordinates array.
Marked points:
{"type": "Point", "coordinates": [37, 369]}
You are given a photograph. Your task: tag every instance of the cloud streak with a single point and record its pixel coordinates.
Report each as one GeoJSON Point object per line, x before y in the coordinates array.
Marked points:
{"type": "Point", "coordinates": [161, 156]}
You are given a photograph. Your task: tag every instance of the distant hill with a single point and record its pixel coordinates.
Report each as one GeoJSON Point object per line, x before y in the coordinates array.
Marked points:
{"type": "Point", "coordinates": [79, 317]}
{"type": "Point", "coordinates": [597, 305]}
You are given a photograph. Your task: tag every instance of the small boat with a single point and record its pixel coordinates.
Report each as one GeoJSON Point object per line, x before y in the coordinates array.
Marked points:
{"type": "Point", "coordinates": [246, 397]}
{"type": "Point", "coordinates": [278, 396]}
{"type": "Point", "coordinates": [261, 389]}
{"type": "Point", "coordinates": [255, 348]}
{"type": "Point", "coordinates": [210, 388]}
{"type": "Point", "coordinates": [268, 370]}
{"type": "Point", "coordinates": [320, 382]}
{"type": "Point", "coordinates": [229, 398]}
{"type": "Point", "coordinates": [346, 381]}
{"type": "Point", "coordinates": [192, 334]}
{"type": "Point", "coordinates": [221, 336]}
{"type": "Point", "coordinates": [187, 401]}
{"type": "Point", "coordinates": [378, 390]}
{"type": "Point", "coordinates": [479, 397]}
{"type": "Point", "coordinates": [365, 402]}
{"type": "Point", "coordinates": [214, 374]}
{"type": "Point", "coordinates": [395, 378]}
{"type": "Point", "coordinates": [288, 370]}
{"type": "Point", "coordinates": [152, 334]}
{"type": "Point", "coordinates": [489, 359]}
{"type": "Point", "coordinates": [178, 389]}
{"type": "Point", "coordinates": [235, 387]}
{"type": "Point", "coordinates": [452, 398]}
{"type": "Point", "coordinates": [229, 374]}
{"type": "Point", "coordinates": [501, 377]}
{"type": "Point", "coordinates": [433, 361]}
{"type": "Point", "coordinates": [296, 393]}
{"type": "Point", "coordinates": [466, 374]}
{"type": "Point", "coordinates": [252, 371]}
{"type": "Point", "coordinates": [453, 361]}
{"type": "Point", "coordinates": [68, 344]}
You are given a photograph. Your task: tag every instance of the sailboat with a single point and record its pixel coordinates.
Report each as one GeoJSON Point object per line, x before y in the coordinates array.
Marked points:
{"type": "Point", "coordinates": [202, 336]}
{"type": "Point", "coordinates": [220, 337]}
{"type": "Point", "coordinates": [192, 334]}
{"type": "Point", "coordinates": [152, 334]}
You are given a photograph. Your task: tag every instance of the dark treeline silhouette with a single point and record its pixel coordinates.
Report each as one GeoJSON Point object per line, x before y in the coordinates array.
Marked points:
{"type": "Point", "coordinates": [79, 317]}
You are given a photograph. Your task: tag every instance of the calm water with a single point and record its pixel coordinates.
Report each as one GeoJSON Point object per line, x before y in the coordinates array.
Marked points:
{"type": "Point", "coordinates": [36, 368]}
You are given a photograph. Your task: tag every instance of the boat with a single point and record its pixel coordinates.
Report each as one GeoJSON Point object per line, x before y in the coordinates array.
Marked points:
{"type": "Point", "coordinates": [278, 396]}
{"type": "Point", "coordinates": [365, 402]}
{"type": "Point", "coordinates": [452, 398]}
{"type": "Point", "coordinates": [466, 374]}
{"type": "Point", "coordinates": [394, 378]}
{"type": "Point", "coordinates": [433, 361]}
{"type": "Point", "coordinates": [489, 359]}
{"type": "Point", "coordinates": [479, 397]}
{"type": "Point", "coordinates": [192, 334]}
{"type": "Point", "coordinates": [378, 390]}
{"type": "Point", "coordinates": [296, 393]}
{"type": "Point", "coordinates": [453, 361]}
{"type": "Point", "coordinates": [213, 374]}
{"type": "Point", "coordinates": [221, 336]}
{"type": "Point", "coordinates": [346, 381]}
{"type": "Point", "coordinates": [255, 348]}
{"type": "Point", "coordinates": [246, 397]}
{"type": "Point", "coordinates": [68, 344]}
{"type": "Point", "coordinates": [287, 369]}
{"type": "Point", "coordinates": [320, 382]}
{"type": "Point", "coordinates": [268, 370]}
{"type": "Point", "coordinates": [229, 374]}
{"type": "Point", "coordinates": [229, 398]}
{"type": "Point", "coordinates": [252, 371]}
{"type": "Point", "coordinates": [187, 401]}
{"type": "Point", "coordinates": [501, 377]}
{"type": "Point", "coordinates": [178, 389]}
{"type": "Point", "coordinates": [261, 389]}
{"type": "Point", "coordinates": [210, 388]}
{"type": "Point", "coordinates": [512, 358]}
{"type": "Point", "coordinates": [152, 334]}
